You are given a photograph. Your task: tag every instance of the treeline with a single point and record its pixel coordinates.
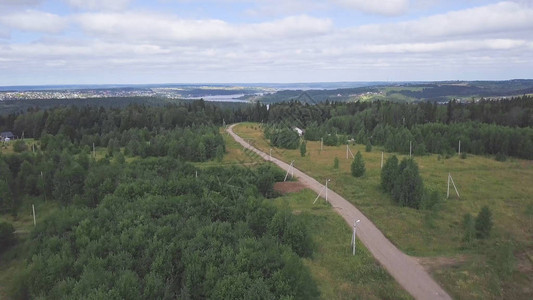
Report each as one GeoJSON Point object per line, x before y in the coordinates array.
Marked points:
{"type": "Point", "coordinates": [77, 122]}
{"type": "Point", "coordinates": [487, 127]}
{"type": "Point", "coordinates": [159, 231]}
{"type": "Point", "coordinates": [514, 112]}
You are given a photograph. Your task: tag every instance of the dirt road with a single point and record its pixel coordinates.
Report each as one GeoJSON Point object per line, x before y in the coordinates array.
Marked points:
{"type": "Point", "coordinates": [405, 269]}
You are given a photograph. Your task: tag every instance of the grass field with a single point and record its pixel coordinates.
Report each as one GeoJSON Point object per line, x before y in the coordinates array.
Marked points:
{"type": "Point", "coordinates": [338, 273]}
{"type": "Point", "coordinates": [494, 268]}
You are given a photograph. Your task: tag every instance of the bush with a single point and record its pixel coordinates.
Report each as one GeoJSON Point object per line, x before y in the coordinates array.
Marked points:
{"type": "Point", "coordinates": [336, 163]}
{"type": "Point", "coordinates": [430, 200]}
{"type": "Point", "coordinates": [358, 165]}
{"type": "Point", "coordinates": [20, 146]}
{"type": "Point", "coordinates": [500, 157]}
{"type": "Point", "coordinates": [331, 140]}
{"type": "Point", "coordinates": [469, 227]}
{"type": "Point", "coordinates": [284, 138]}
{"type": "Point", "coordinates": [368, 147]}
{"type": "Point", "coordinates": [7, 235]}
{"type": "Point", "coordinates": [303, 149]}
{"type": "Point", "coordinates": [484, 223]}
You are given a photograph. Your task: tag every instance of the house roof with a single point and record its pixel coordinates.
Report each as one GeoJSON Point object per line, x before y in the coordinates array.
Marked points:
{"type": "Point", "coordinates": [7, 134]}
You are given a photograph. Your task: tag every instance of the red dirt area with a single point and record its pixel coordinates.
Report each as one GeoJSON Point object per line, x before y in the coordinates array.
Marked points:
{"type": "Point", "coordinates": [288, 187]}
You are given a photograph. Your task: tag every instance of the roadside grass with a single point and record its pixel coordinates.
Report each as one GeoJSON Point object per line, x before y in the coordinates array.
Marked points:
{"type": "Point", "coordinates": [339, 274]}
{"type": "Point", "coordinates": [504, 186]}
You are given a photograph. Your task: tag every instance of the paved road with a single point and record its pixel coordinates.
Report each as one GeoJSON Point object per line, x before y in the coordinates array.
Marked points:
{"type": "Point", "coordinates": [405, 269]}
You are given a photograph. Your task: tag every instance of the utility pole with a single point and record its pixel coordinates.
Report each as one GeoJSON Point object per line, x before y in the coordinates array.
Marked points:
{"type": "Point", "coordinates": [459, 147]}
{"type": "Point", "coordinates": [327, 190]}
{"type": "Point", "coordinates": [354, 236]}
{"type": "Point", "coordinates": [450, 179]}
{"type": "Point", "coordinates": [291, 169]}
{"type": "Point", "coordinates": [320, 193]}
{"type": "Point", "coordinates": [382, 159]}
{"type": "Point", "coordinates": [349, 151]}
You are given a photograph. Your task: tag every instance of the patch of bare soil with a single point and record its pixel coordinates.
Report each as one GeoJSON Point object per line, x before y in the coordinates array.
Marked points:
{"type": "Point", "coordinates": [288, 187]}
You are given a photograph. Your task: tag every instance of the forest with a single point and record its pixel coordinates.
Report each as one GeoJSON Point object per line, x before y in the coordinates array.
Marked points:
{"type": "Point", "coordinates": [501, 128]}
{"type": "Point", "coordinates": [141, 221]}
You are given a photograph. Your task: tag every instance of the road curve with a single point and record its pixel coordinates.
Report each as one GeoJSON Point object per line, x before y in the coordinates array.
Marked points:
{"type": "Point", "coordinates": [405, 269]}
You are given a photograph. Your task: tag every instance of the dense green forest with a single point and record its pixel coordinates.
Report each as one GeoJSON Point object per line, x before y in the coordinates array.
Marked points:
{"type": "Point", "coordinates": [502, 127]}
{"type": "Point", "coordinates": [142, 222]}
{"type": "Point", "coordinates": [485, 127]}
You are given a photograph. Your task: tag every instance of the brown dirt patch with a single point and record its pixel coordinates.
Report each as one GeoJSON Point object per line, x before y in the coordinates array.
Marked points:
{"type": "Point", "coordinates": [288, 187]}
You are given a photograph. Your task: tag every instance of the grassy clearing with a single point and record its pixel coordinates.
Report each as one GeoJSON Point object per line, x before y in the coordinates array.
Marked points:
{"type": "Point", "coordinates": [338, 273]}
{"type": "Point", "coordinates": [504, 186]}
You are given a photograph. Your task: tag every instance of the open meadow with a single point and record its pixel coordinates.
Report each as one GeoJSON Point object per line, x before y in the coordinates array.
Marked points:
{"type": "Point", "coordinates": [500, 266]}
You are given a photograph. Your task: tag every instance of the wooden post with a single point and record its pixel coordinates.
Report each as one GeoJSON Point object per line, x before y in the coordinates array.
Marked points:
{"type": "Point", "coordinates": [448, 191]}
{"type": "Point", "coordinates": [33, 209]}
{"type": "Point", "coordinates": [382, 159]}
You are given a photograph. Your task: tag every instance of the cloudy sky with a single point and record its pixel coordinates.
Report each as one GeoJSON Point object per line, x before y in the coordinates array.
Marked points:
{"type": "Point", "coordinates": [229, 41]}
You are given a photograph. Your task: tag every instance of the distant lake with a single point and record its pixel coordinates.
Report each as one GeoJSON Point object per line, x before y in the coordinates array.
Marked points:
{"type": "Point", "coordinates": [220, 98]}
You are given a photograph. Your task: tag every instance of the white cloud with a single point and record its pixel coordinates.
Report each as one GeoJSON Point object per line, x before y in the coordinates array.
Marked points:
{"type": "Point", "coordinates": [142, 46]}
{"type": "Point", "coordinates": [154, 27]}
{"type": "Point", "coordinates": [99, 4]}
{"type": "Point", "coordinates": [380, 7]}
{"type": "Point", "coordinates": [502, 18]}
{"type": "Point", "coordinates": [34, 21]}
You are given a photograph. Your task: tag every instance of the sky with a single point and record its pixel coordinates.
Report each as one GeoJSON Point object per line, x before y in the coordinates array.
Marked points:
{"type": "Point", "coordinates": [44, 42]}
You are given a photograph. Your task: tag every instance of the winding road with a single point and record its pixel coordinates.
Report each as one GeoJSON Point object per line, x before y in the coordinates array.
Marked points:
{"type": "Point", "coordinates": [405, 269]}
